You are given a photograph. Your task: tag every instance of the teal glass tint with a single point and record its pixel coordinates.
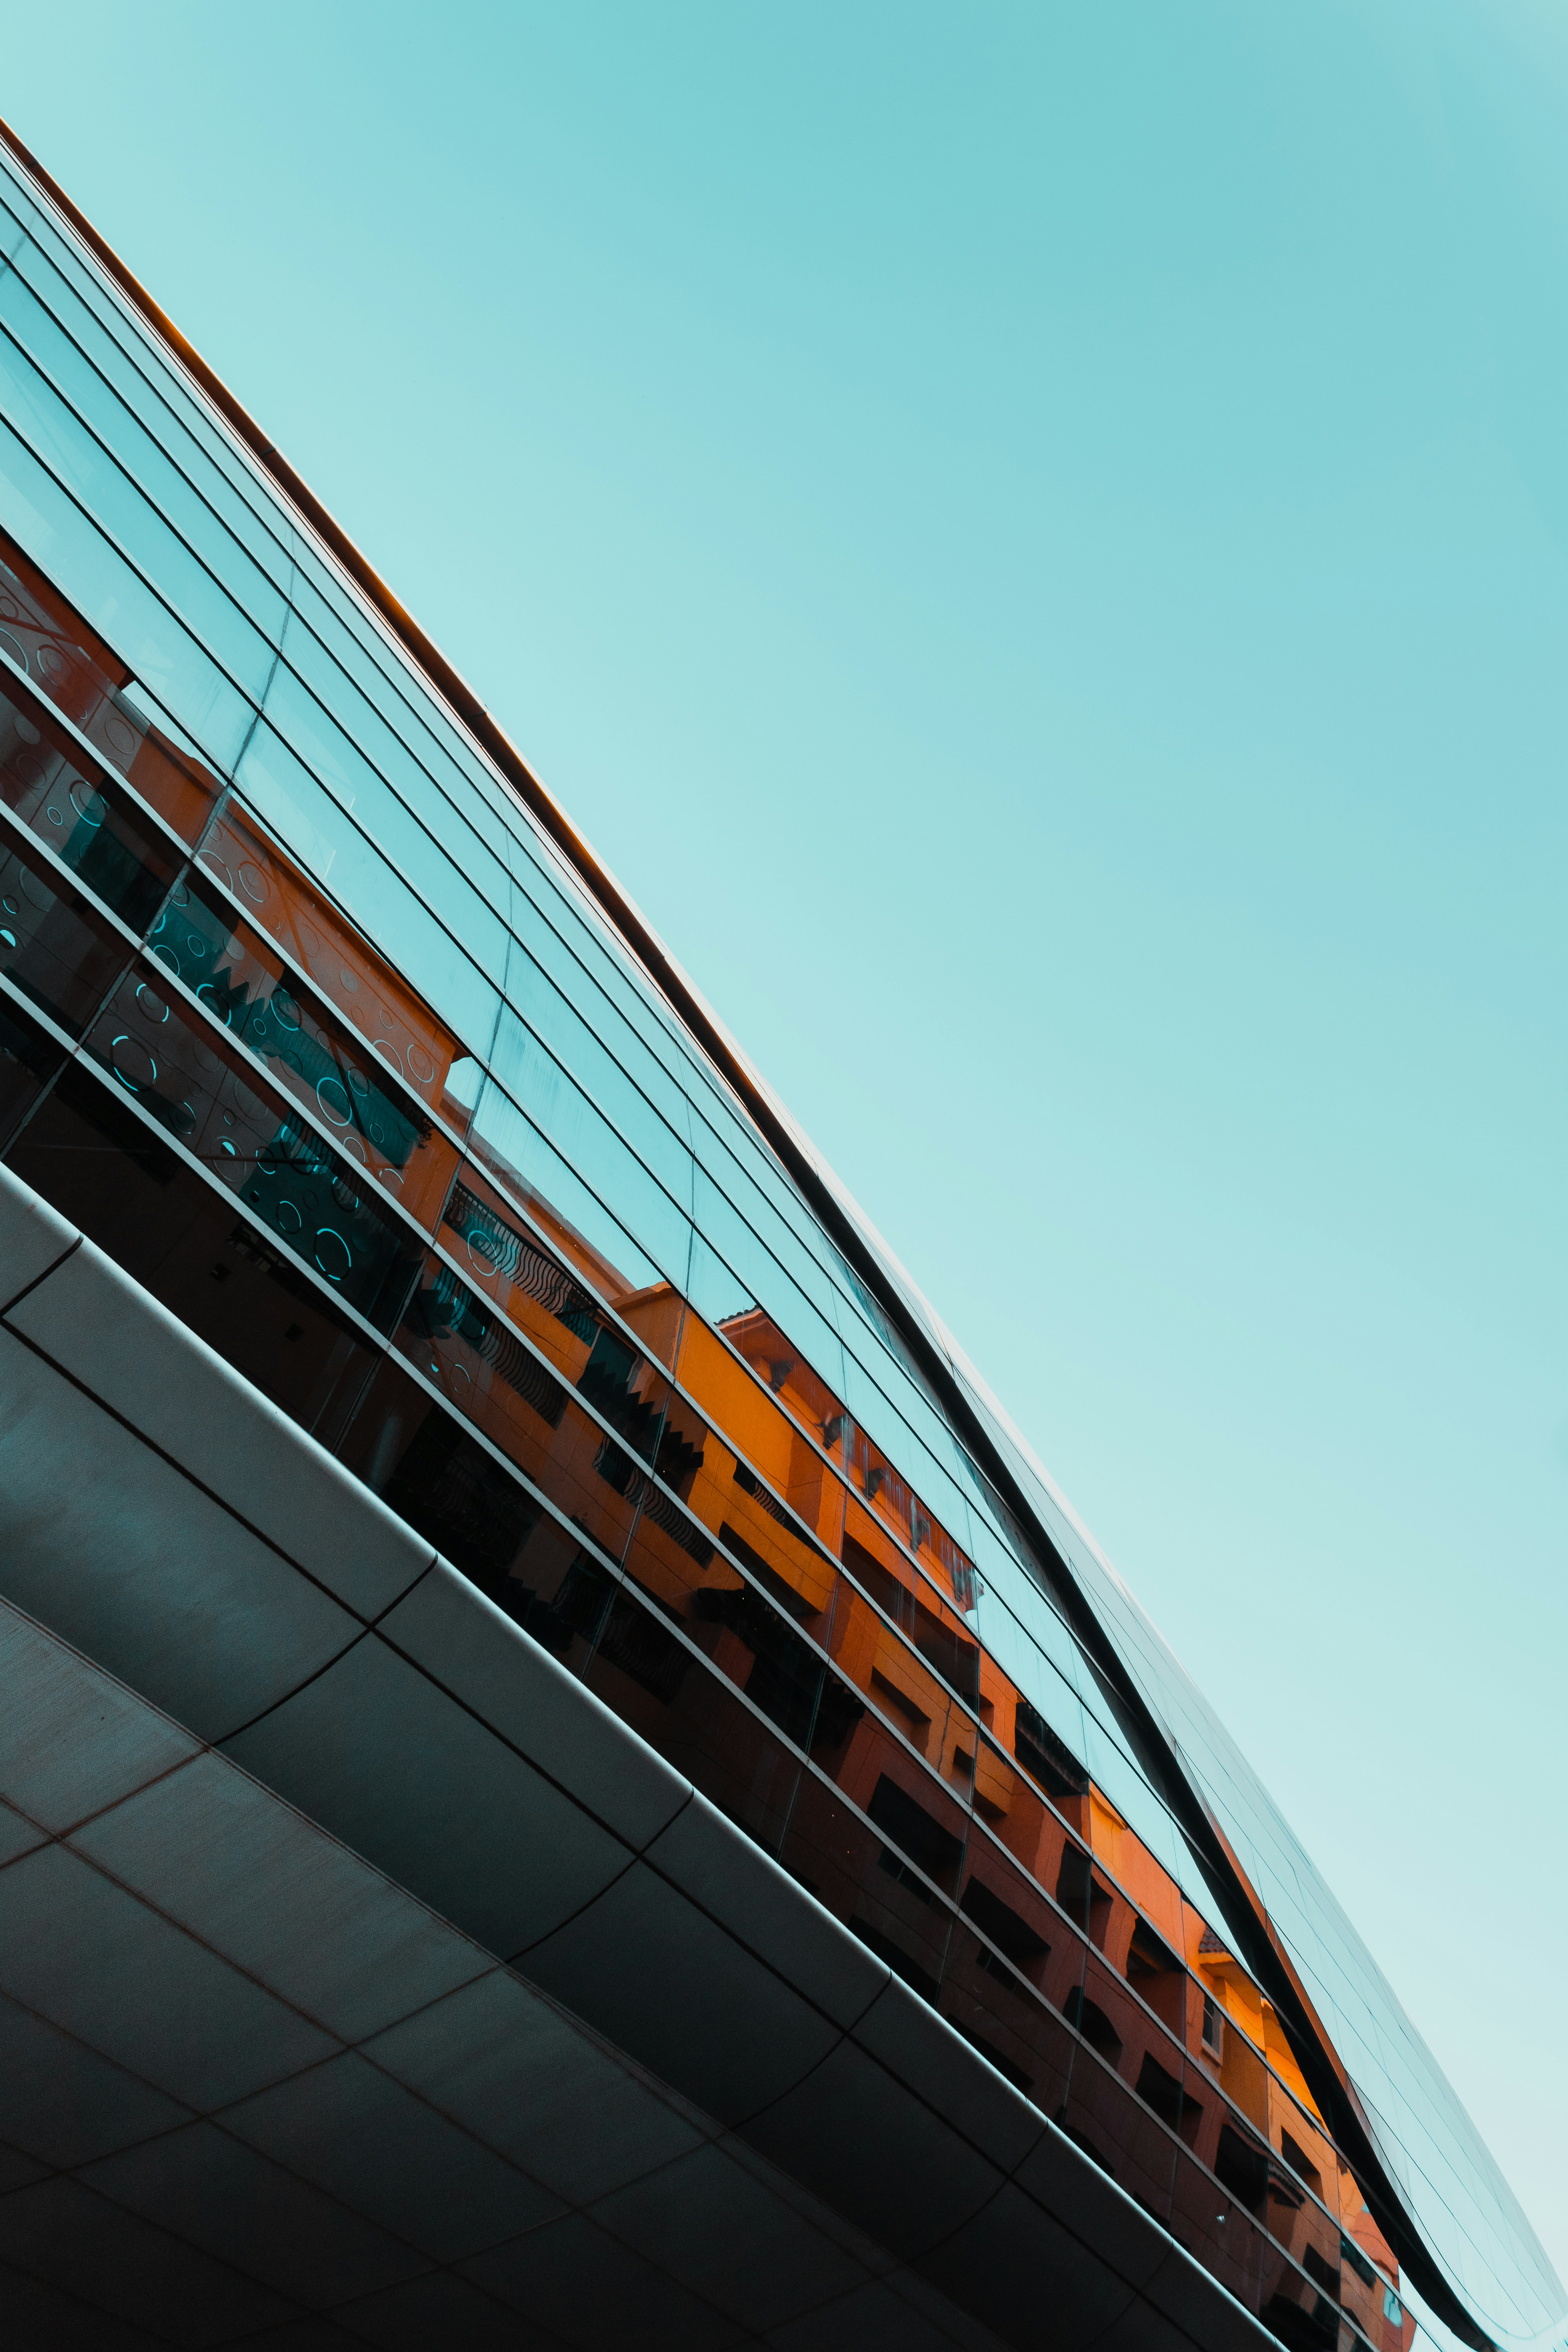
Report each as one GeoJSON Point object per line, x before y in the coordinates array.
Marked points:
{"type": "Point", "coordinates": [115, 598]}
{"type": "Point", "coordinates": [57, 949]}
{"type": "Point", "coordinates": [92, 824]}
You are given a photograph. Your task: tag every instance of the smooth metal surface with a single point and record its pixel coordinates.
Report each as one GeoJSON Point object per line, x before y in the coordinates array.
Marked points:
{"type": "Point", "coordinates": [358, 1965]}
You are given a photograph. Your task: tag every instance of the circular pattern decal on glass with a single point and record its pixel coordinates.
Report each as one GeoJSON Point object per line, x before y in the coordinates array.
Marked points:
{"type": "Point", "coordinates": [132, 1065]}
{"type": "Point", "coordinates": [333, 1254]}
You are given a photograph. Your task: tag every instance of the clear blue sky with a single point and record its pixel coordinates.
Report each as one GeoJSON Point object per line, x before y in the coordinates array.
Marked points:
{"type": "Point", "coordinates": [1035, 541]}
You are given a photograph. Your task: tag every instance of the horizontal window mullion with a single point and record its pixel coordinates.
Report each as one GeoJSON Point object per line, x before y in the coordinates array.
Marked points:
{"type": "Point", "coordinates": [142, 657]}
{"type": "Point", "coordinates": [101, 302]}
{"type": "Point", "coordinates": [275, 557]}
{"type": "Point", "coordinates": [37, 408]}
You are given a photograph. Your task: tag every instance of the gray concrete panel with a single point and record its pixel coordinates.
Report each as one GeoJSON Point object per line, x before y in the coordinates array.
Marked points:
{"type": "Point", "coordinates": [868, 2147]}
{"type": "Point", "coordinates": [91, 1959]}
{"type": "Point", "coordinates": [630, 1965]}
{"type": "Point", "coordinates": [105, 1331]}
{"type": "Point", "coordinates": [33, 1237]}
{"type": "Point", "coordinates": [138, 1567]}
{"type": "Point", "coordinates": [761, 1906]}
{"type": "Point", "coordinates": [84, 2244]}
{"type": "Point", "coordinates": [233, 2203]}
{"type": "Point", "coordinates": [717, 2224]}
{"type": "Point", "coordinates": [63, 2102]}
{"type": "Point", "coordinates": [384, 1758]}
{"type": "Point", "coordinates": [72, 1738]}
{"type": "Point", "coordinates": [528, 2081]}
{"type": "Point", "coordinates": [473, 1650]}
{"type": "Point", "coordinates": [225, 1858]}
{"type": "Point", "coordinates": [364, 2139]}
{"type": "Point", "coordinates": [593, 2292]}
{"type": "Point", "coordinates": [1026, 2275]}
{"type": "Point", "coordinates": [439, 2310]}
{"type": "Point", "coordinates": [921, 2051]}
{"type": "Point", "coordinates": [45, 2316]}
{"type": "Point", "coordinates": [18, 1835]}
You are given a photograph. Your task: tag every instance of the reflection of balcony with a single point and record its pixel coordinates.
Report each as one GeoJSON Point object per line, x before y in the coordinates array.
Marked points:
{"type": "Point", "coordinates": [680, 1512]}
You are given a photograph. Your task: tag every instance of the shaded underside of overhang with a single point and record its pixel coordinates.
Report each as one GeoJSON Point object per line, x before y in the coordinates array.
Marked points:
{"type": "Point", "coordinates": [364, 1979]}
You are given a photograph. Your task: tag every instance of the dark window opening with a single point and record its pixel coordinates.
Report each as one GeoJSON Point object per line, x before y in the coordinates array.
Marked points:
{"type": "Point", "coordinates": [1149, 1954]}
{"type": "Point", "coordinates": [1351, 2255]}
{"type": "Point", "coordinates": [1012, 1935]}
{"type": "Point", "coordinates": [1160, 2090]}
{"type": "Point", "coordinates": [1303, 2330]}
{"type": "Point", "coordinates": [1082, 1895]}
{"type": "Point", "coordinates": [1242, 2164]}
{"type": "Point", "coordinates": [462, 1501]}
{"type": "Point", "coordinates": [1004, 2066]}
{"type": "Point", "coordinates": [1081, 2141]}
{"type": "Point", "coordinates": [1301, 2163]}
{"type": "Point", "coordinates": [1320, 2271]}
{"type": "Point", "coordinates": [927, 1842]}
{"type": "Point", "coordinates": [1094, 2025]}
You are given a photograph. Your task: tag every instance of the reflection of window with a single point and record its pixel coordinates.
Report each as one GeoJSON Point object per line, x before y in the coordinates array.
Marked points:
{"type": "Point", "coordinates": [1213, 2027]}
{"type": "Point", "coordinates": [1392, 2307]}
{"type": "Point", "coordinates": [1353, 2258]}
{"type": "Point", "coordinates": [1301, 2163]}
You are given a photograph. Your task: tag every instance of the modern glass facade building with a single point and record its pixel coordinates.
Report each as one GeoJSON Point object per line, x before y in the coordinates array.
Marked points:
{"type": "Point", "coordinates": [320, 1025]}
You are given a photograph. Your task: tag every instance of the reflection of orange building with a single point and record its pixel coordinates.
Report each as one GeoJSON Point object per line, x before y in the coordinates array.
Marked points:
{"type": "Point", "coordinates": [685, 1514]}
{"type": "Point", "coordinates": [213, 1070]}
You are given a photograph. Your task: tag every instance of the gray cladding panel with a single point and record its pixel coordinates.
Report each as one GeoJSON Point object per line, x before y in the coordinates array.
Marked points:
{"type": "Point", "coordinates": [236, 2204]}
{"type": "Point", "coordinates": [102, 1330]}
{"type": "Point", "coordinates": [99, 1964]}
{"type": "Point", "coordinates": [509, 2067]}
{"type": "Point", "coordinates": [184, 1951]}
{"type": "Point", "coordinates": [226, 1859]}
{"type": "Point", "coordinates": [475, 1652]}
{"type": "Point", "coordinates": [72, 1739]}
{"type": "Point", "coordinates": [141, 1569]}
{"type": "Point", "coordinates": [666, 1983]}
{"type": "Point", "coordinates": [33, 1237]}
{"type": "Point", "coordinates": [393, 1766]}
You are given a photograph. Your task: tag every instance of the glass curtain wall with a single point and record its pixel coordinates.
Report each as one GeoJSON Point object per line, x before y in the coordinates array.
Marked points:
{"type": "Point", "coordinates": [311, 1028]}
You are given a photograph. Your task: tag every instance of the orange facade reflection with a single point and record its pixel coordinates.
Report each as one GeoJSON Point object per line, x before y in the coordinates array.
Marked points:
{"type": "Point", "coordinates": [690, 1518]}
